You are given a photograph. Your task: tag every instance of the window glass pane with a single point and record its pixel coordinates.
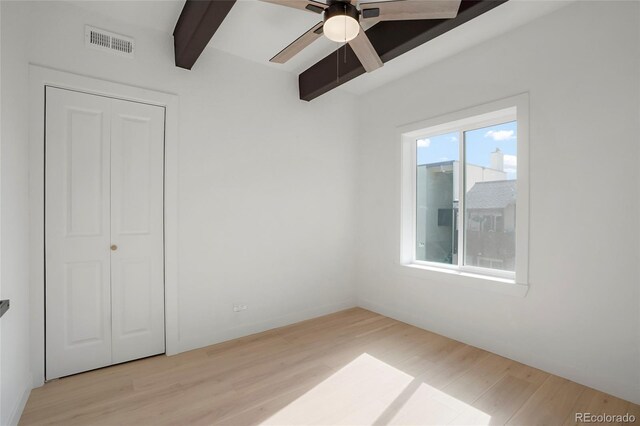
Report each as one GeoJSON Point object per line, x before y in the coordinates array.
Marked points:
{"type": "Point", "coordinates": [490, 204]}
{"type": "Point", "coordinates": [437, 198]}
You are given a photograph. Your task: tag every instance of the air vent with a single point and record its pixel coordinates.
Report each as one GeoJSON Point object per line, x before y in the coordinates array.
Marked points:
{"type": "Point", "coordinates": [108, 41]}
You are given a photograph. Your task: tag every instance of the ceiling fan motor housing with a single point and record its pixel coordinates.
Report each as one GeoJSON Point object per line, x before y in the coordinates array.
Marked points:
{"type": "Point", "coordinates": [341, 8]}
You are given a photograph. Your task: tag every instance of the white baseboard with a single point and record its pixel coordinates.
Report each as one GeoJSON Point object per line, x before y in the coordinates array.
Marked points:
{"type": "Point", "coordinates": [281, 321]}
{"type": "Point", "coordinates": [621, 390]}
{"type": "Point", "coordinates": [17, 410]}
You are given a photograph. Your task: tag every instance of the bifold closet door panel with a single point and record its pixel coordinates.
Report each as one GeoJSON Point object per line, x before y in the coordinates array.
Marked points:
{"type": "Point", "coordinates": [137, 257]}
{"type": "Point", "coordinates": [77, 232]}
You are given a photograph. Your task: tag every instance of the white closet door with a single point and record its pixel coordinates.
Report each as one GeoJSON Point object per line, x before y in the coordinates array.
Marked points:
{"type": "Point", "coordinates": [137, 265]}
{"type": "Point", "coordinates": [77, 232]}
{"type": "Point", "coordinates": [103, 231]}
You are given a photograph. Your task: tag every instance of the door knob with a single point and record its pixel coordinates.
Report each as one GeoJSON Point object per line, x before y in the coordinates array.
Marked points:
{"type": "Point", "coordinates": [114, 247]}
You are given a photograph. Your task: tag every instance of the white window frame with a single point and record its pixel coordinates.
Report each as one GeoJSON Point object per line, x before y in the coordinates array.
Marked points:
{"type": "Point", "coordinates": [498, 112]}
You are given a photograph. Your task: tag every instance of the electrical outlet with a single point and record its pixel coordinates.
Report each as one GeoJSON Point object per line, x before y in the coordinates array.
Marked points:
{"type": "Point", "coordinates": [238, 308]}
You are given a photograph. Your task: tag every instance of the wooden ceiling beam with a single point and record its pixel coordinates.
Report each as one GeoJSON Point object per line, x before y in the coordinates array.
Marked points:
{"type": "Point", "coordinates": [198, 22]}
{"type": "Point", "coordinates": [390, 39]}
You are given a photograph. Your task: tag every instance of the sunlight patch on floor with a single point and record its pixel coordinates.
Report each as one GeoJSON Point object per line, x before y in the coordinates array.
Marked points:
{"type": "Point", "coordinates": [370, 391]}
{"type": "Point", "coordinates": [430, 406]}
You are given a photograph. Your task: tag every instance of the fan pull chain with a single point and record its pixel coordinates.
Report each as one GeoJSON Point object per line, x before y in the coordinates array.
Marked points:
{"type": "Point", "coordinates": [344, 48]}
{"type": "Point", "coordinates": [345, 34]}
{"type": "Point", "coordinates": [338, 63]}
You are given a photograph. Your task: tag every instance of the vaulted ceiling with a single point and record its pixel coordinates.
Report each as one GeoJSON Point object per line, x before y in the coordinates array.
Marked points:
{"type": "Point", "coordinates": [256, 31]}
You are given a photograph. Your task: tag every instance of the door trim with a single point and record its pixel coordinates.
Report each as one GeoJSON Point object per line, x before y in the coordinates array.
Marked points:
{"type": "Point", "coordinates": [39, 78]}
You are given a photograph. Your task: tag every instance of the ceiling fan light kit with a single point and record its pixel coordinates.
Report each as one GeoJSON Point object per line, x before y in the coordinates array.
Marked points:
{"type": "Point", "coordinates": [341, 22]}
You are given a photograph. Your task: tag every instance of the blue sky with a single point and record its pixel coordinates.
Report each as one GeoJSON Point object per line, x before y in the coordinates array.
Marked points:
{"type": "Point", "coordinates": [480, 144]}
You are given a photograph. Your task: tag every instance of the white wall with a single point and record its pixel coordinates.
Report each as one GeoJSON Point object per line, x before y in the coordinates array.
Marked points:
{"type": "Point", "coordinates": [0, 212]}
{"type": "Point", "coordinates": [580, 318]}
{"type": "Point", "coordinates": [15, 369]}
{"type": "Point", "coordinates": [266, 189]}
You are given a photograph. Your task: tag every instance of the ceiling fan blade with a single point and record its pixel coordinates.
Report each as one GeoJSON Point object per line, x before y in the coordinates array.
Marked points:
{"type": "Point", "coordinates": [309, 5]}
{"type": "Point", "coordinates": [301, 42]}
{"type": "Point", "coordinates": [365, 51]}
{"type": "Point", "coordinates": [406, 10]}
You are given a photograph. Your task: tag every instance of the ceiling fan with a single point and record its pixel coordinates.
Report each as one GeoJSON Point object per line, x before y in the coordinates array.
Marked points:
{"type": "Point", "coordinates": [343, 19]}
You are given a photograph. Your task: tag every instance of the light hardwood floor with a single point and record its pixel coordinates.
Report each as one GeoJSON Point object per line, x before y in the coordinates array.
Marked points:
{"type": "Point", "coordinates": [352, 367]}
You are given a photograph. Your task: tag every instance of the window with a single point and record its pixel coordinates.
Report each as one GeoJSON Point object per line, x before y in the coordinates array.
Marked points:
{"type": "Point", "coordinates": [465, 192]}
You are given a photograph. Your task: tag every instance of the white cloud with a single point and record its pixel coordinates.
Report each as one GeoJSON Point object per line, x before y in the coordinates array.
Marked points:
{"type": "Point", "coordinates": [510, 163]}
{"type": "Point", "coordinates": [424, 143]}
{"type": "Point", "coordinates": [454, 139]}
{"type": "Point", "coordinates": [500, 135]}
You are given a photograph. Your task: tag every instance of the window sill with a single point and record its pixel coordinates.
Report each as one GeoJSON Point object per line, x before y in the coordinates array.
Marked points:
{"type": "Point", "coordinates": [466, 279]}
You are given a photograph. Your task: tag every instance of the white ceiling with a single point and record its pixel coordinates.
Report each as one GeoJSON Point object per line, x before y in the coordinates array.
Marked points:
{"type": "Point", "coordinates": [257, 31]}
{"type": "Point", "coordinates": [159, 15]}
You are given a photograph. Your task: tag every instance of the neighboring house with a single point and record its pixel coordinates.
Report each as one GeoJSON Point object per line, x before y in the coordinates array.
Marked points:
{"type": "Point", "coordinates": [491, 221]}
{"type": "Point", "coordinates": [490, 207]}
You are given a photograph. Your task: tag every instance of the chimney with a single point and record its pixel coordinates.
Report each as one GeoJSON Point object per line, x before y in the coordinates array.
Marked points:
{"type": "Point", "coordinates": [497, 160]}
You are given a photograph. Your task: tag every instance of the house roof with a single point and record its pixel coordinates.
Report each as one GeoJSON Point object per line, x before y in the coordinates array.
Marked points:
{"type": "Point", "coordinates": [441, 163]}
{"type": "Point", "coordinates": [491, 195]}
